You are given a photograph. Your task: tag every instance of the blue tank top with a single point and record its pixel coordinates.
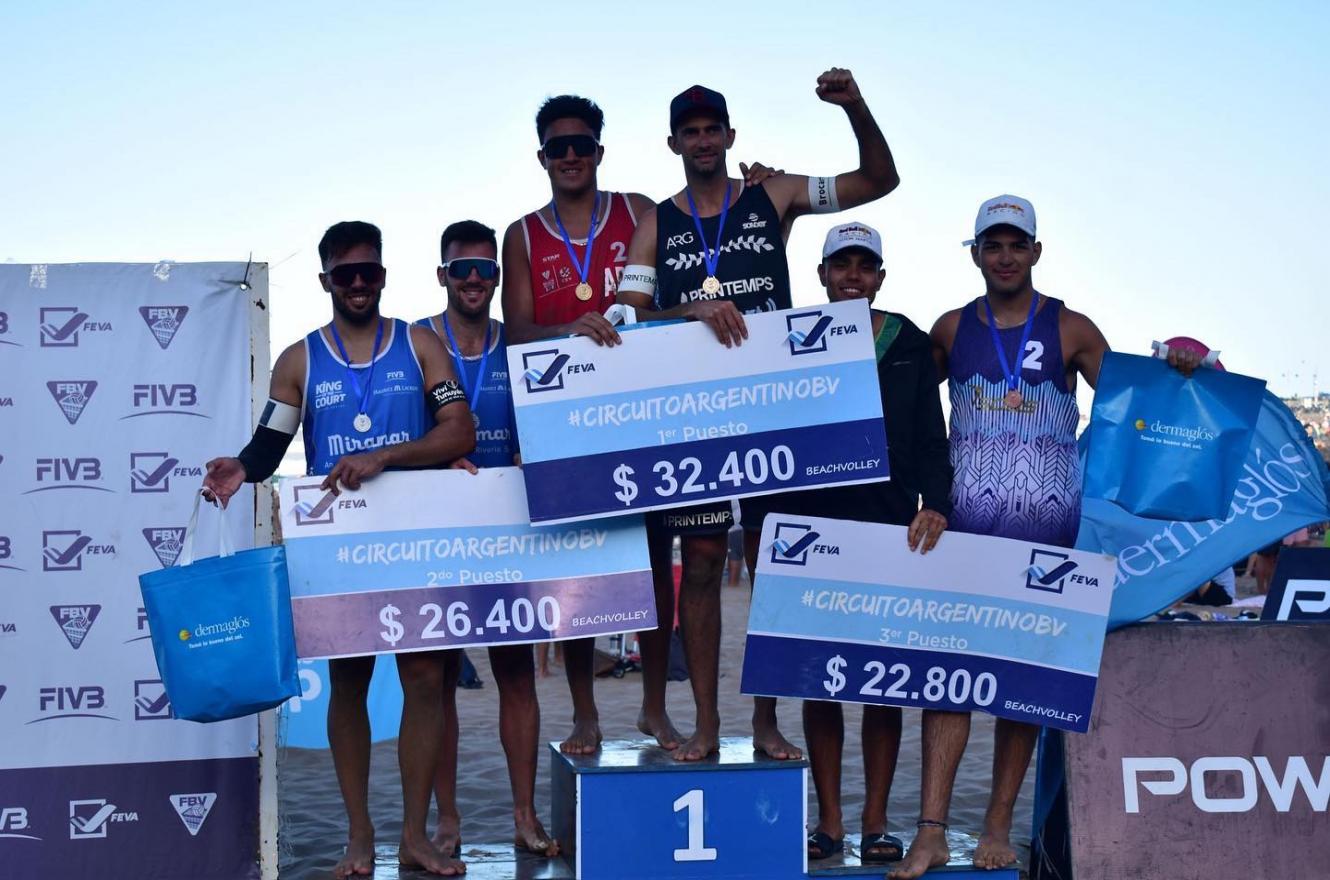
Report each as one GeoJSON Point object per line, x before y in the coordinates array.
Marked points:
{"type": "Point", "coordinates": [1017, 472]}
{"type": "Point", "coordinates": [396, 405]}
{"type": "Point", "coordinates": [496, 434]}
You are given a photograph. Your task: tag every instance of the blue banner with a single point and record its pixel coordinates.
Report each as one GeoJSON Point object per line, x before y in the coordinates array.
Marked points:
{"type": "Point", "coordinates": [1284, 485]}
{"type": "Point", "coordinates": [671, 418]}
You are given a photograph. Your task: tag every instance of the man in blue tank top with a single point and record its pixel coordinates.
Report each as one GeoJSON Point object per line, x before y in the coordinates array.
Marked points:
{"type": "Point", "coordinates": [711, 253]}
{"type": "Point", "coordinates": [373, 393]}
{"type": "Point", "coordinates": [469, 274]}
{"type": "Point", "coordinates": [1011, 359]}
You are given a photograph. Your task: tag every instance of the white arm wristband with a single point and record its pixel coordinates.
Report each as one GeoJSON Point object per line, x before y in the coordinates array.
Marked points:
{"type": "Point", "coordinates": [822, 195]}
{"type": "Point", "coordinates": [280, 416]}
{"type": "Point", "coordinates": [639, 279]}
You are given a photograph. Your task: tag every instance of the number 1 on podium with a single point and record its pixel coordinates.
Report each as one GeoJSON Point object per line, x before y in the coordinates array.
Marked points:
{"type": "Point", "coordinates": [696, 852]}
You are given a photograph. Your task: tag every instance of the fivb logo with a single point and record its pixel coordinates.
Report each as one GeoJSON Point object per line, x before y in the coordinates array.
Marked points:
{"type": "Point", "coordinates": [1050, 571]}
{"type": "Point", "coordinates": [165, 399]}
{"type": "Point", "coordinates": [61, 325]}
{"type": "Point", "coordinates": [1298, 595]}
{"type": "Point", "coordinates": [6, 552]}
{"type": "Point", "coordinates": [193, 809]}
{"type": "Point", "coordinates": [794, 541]}
{"type": "Point", "coordinates": [164, 322]}
{"type": "Point", "coordinates": [72, 396]}
{"type": "Point", "coordinates": [63, 549]}
{"type": "Point", "coordinates": [166, 543]}
{"type": "Point", "coordinates": [545, 370]}
{"type": "Point", "coordinates": [1281, 790]}
{"type": "Point", "coordinates": [70, 701]}
{"type": "Point", "coordinates": [68, 473]}
{"type": "Point", "coordinates": [13, 821]}
{"type": "Point", "coordinates": [151, 472]}
{"type": "Point", "coordinates": [75, 621]}
{"type": "Point", "coordinates": [90, 819]}
{"type": "Point", "coordinates": [313, 506]}
{"type": "Point", "coordinates": [810, 331]}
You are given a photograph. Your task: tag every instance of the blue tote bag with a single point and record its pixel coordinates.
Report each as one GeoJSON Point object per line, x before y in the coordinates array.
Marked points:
{"type": "Point", "coordinates": [221, 629]}
{"type": "Point", "coordinates": [1166, 445]}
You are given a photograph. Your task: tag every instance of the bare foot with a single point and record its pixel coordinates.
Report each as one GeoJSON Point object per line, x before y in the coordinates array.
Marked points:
{"type": "Point", "coordinates": [447, 837]}
{"type": "Point", "coordinates": [661, 727]}
{"type": "Point", "coordinates": [928, 850]}
{"type": "Point", "coordinates": [530, 835]}
{"type": "Point", "coordinates": [422, 855]}
{"type": "Point", "coordinates": [994, 851]}
{"type": "Point", "coordinates": [358, 859]}
{"type": "Point", "coordinates": [584, 740]}
{"type": "Point", "coordinates": [769, 741]}
{"type": "Point", "coordinates": [698, 746]}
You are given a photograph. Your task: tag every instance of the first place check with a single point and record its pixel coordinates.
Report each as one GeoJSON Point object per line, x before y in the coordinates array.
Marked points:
{"type": "Point", "coordinates": [425, 560]}
{"type": "Point", "coordinates": [672, 418]}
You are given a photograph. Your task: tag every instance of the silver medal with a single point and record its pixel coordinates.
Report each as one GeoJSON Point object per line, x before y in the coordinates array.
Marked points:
{"type": "Point", "coordinates": [362, 423]}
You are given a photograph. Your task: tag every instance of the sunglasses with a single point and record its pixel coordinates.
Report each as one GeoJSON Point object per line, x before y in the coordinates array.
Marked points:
{"type": "Point", "coordinates": [345, 274]}
{"type": "Point", "coordinates": [583, 145]}
{"type": "Point", "coordinates": [460, 270]}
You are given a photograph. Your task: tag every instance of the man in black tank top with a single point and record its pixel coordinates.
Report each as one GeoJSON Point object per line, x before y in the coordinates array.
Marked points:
{"type": "Point", "coordinates": [712, 253]}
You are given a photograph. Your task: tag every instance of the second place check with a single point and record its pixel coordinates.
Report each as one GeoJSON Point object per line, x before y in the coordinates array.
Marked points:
{"type": "Point", "coordinates": [672, 418]}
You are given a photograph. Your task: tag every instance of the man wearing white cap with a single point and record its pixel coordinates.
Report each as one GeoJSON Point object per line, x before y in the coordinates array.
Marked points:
{"type": "Point", "coordinates": [917, 447]}
{"type": "Point", "coordinates": [1010, 359]}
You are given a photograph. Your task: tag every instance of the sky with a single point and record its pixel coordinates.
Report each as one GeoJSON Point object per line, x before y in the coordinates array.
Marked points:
{"type": "Point", "coordinates": [1174, 152]}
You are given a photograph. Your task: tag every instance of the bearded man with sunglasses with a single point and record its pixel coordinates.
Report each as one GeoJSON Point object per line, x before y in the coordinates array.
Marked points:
{"type": "Point", "coordinates": [469, 274]}
{"type": "Point", "coordinates": [713, 271]}
{"type": "Point", "coordinates": [357, 424]}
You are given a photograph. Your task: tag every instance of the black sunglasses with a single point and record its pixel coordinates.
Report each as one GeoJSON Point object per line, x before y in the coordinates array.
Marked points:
{"type": "Point", "coordinates": [460, 270]}
{"type": "Point", "coordinates": [557, 147]}
{"type": "Point", "coordinates": [345, 274]}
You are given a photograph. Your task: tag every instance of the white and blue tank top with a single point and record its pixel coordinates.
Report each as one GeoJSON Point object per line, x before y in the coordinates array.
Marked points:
{"type": "Point", "coordinates": [1017, 472]}
{"type": "Point", "coordinates": [394, 398]}
{"type": "Point", "coordinates": [492, 404]}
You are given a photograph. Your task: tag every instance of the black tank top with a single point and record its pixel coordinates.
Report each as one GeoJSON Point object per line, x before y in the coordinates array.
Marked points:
{"type": "Point", "coordinates": [752, 270]}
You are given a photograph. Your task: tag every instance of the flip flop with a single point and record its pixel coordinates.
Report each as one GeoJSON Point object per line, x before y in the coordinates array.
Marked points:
{"type": "Point", "coordinates": [826, 846]}
{"type": "Point", "coordinates": [881, 847]}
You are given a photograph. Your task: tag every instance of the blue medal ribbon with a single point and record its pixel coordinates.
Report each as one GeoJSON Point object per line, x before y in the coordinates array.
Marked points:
{"type": "Point", "coordinates": [362, 396]}
{"type": "Point", "coordinates": [1013, 377]}
{"type": "Point", "coordinates": [460, 362]}
{"type": "Point", "coordinates": [712, 260]}
{"type": "Point", "coordinates": [583, 265]}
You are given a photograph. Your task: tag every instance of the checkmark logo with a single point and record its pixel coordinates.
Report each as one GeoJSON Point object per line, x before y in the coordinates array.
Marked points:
{"type": "Point", "coordinates": [809, 338]}
{"type": "Point", "coordinates": [1058, 573]}
{"type": "Point", "coordinates": [550, 373]}
{"type": "Point", "coordinates": [789, 551]}
{"type": "Point", "coordinates": [89, 826]}
{"type": "Point", "coordinates": [150, 706]}
{"type": "Point", "coordinates": [542, 375]}
{"type": "Point", "coordinates": [65, 333]}
{"type": "Point", "coordinates": [152, 478]}
{"type": "Point", "coordinates": [791, 543]}
{"type": "Point", "coordinates": [151, 702]}
{"type": "Point", "coordinates": [68, 559]}
{"type": "Point", "coordinates": [1048, 570]}
{"type": "Point", "coordinates": [319, 512]}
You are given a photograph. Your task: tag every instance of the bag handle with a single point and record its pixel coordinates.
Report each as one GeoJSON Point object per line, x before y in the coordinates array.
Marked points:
{"type": "Point", "coordinates": [186, 556]}
{"type": "Point", "coordinates": [1161, 352]}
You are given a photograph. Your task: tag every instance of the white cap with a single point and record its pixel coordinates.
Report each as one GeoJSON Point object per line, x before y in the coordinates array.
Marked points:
{"type": "Point", "coordinates": [1005, 210]}
{"type": "Point", "coordinates": [852, 235]}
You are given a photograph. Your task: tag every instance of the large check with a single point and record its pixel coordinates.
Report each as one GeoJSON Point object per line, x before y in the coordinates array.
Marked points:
{"type": "Point", "coordinates": [844, 611]}
{"type": "Point", "coordinates": [672, 418]}
{"type": "Point", "coordinates": [423, 560]}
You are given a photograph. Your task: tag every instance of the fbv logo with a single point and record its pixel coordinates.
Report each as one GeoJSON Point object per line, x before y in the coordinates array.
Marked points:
{"type": "Point", "coordinates": [545, 370]}
{"type": "Point", "coordinates": [151, 472]}
{"type": "Point", "coordinates": [316, 508]}
{"type": "Point", "coordinates": [75, 621]}
{"type": "Point", "coordinates": [160, 399]}
{"type": "Point", "coordinates": [60, 326]}
{"type": "Point", "coordinates": [792, 543]}
{"type": "Point", "coordinates": [63, 549]}
{"type": "Point", "coordinates": [193, 809]}
{"type": "Point", "coordinates": [72, 396]}
{"type": "Point", "coordinates": [164, 322]}
{"type": "Point", "coordinates": [166, 543]}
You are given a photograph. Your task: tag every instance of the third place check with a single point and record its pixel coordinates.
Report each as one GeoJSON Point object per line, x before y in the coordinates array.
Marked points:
{"type": "Point", "coordinates": [672, 418]}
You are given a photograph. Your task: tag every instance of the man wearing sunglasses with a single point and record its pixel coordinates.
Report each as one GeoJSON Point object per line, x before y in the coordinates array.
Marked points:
{"type": "Point", "coordinates": [712, 253]}
{"type": "Point", "coordinates": [356, 424]}
{"type": "Point", "coordinates": [469, 274]}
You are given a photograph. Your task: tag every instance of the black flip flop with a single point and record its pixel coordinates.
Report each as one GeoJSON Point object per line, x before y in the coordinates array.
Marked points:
{"type": "Point", "coordinates": [825, 844]}
{"type": "Point", "coordinates": [881, 847]}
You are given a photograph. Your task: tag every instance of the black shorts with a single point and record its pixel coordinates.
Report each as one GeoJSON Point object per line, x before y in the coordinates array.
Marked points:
{"type": "Point", "coordinates": [714, 518]}
{"type": "Point", "coordinates": [753, 510]}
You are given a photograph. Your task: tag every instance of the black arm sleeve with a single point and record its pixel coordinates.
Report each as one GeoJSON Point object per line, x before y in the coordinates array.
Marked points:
{"type": "Point", "coordinates": [264, 453]}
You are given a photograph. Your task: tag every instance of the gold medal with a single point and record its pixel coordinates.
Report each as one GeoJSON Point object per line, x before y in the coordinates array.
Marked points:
{"type": "Point", "coordinates": [584, 291]}
{"type": "Point", "coordinates": [1013, 399]}
{"type": "Point", "coordinates": [711, 286]}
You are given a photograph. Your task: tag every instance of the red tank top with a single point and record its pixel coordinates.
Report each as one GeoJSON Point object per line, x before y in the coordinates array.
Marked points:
{"type": "Point", "coordinates": [554, 275]}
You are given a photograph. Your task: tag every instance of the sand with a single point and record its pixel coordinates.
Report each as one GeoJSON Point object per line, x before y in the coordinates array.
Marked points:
{"type": "Point", "coordinates": [313, 821]}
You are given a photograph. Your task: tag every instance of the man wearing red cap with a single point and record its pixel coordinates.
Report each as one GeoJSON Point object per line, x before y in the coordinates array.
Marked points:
{"type": "Point", "coordinates": [713, 252]}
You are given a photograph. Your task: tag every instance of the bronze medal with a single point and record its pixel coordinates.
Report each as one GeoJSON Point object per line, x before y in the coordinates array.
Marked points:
{"type": "Point", "coordinates": [1013, 399]}
{"type": "Point", "coordinates": [711, 286]}
{"type": "Point", "coordinates": [583, 291]}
